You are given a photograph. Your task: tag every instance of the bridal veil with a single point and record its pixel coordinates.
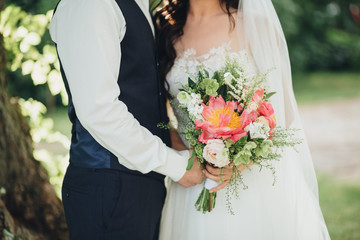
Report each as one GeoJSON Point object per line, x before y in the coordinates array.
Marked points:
{"type": "Point", "coordinates": [261, 33]}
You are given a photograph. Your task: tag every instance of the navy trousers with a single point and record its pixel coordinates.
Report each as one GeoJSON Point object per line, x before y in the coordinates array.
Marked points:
{"type": "Point", "coordinates": [107, 204]}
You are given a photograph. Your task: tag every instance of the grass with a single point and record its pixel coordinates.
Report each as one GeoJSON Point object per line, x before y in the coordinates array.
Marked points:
{"type": "Point", "coordinates": [340, 203]}
{"type": "Point", "coordinates": [323, 86]}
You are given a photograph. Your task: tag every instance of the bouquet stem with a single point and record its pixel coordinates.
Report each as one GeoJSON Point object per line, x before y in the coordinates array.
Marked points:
{"type": "Point", "coordinates": [206, 201]}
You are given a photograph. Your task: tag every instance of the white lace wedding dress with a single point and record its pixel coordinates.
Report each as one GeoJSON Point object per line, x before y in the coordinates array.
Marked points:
{"type": "Point", "coordinates": [285, 211]}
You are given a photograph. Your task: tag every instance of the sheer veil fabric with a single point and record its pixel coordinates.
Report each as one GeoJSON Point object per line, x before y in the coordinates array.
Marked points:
{"type": "Point", "coordinates": [290, 209]}
{"type": "Point", "coordinates": [261, 31]}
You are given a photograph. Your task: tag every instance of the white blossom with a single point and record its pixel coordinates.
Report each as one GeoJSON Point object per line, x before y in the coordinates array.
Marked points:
{"type": "Point", "coordinates": [258, 130]}
{"type": "Point", "coordinates": [194, 106]}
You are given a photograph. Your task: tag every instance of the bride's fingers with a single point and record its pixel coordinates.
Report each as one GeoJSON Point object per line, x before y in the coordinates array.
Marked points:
{"type": "Point", "coordinates": [212, 170]}
{"type": "Point", "coordinates": [221, 178]}
{"type": "Point", "coordinates": [219, 171]}
{"type": "Point", "coordinates": [212, 177]}
{"type": "Point", "coordinates": [218, 188]}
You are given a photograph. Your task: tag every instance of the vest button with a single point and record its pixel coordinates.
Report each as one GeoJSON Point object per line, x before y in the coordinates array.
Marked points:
{"type": "Point", "coordinates": [157, 64]}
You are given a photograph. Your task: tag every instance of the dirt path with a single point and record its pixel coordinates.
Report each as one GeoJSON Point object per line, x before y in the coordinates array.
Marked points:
{"type": "Point", "coordinates": [333, 132]}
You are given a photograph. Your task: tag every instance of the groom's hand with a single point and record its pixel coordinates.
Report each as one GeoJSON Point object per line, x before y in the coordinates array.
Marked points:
{"type": "Point", "coordinates": [192, 177]}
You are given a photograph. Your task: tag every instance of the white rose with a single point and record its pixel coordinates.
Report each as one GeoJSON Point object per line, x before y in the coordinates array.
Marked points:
{"type": "Point", "coordinates": [258, 130]}
{"type": "Point", "coordinates": [216, 153]}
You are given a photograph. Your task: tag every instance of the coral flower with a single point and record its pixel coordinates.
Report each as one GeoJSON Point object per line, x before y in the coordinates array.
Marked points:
{"type": "Point", "coordinates": [258, 95]}
{"type": "Point", "coordinates": [267, 111]}
{"type": "Point", "coordinates": [222, 121]}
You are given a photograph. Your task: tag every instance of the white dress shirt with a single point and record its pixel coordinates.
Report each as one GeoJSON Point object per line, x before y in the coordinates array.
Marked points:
{"type": "Point", "coordinates": [88, 35]}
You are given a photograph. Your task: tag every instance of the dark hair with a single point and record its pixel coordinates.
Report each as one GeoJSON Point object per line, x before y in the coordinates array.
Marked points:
{"type": "Point", "coordinates": [169, 21]}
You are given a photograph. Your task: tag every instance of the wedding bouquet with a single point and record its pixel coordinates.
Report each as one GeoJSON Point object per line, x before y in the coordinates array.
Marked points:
{"type": "Point", "coordinates": [231, 123]}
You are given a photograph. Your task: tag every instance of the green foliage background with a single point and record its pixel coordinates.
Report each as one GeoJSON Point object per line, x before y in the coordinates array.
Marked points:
{"type": "Point", "coordinates": [321, 36]}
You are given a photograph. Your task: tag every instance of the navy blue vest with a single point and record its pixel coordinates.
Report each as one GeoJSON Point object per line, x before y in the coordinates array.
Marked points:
{"type": "Point", "coordinates": [141, 91]}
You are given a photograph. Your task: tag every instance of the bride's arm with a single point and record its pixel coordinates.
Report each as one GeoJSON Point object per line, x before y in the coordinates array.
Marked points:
{"type": "Point", "coordinates": [176, 142]}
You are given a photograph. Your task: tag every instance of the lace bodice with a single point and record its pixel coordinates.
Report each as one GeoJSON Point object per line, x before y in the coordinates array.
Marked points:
{"type": "Point", "coordinates": [186, 65]}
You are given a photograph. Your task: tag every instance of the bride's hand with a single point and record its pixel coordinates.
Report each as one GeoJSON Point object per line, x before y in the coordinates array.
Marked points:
{"type": "Point", "coordinates": [222, 175]}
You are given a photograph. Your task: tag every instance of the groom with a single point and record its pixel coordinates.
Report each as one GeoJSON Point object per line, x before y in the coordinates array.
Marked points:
{"type": "Point", "coordinates": [114, 185]}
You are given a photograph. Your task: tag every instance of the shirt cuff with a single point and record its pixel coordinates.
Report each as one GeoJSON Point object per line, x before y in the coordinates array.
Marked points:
{"type": "Point", "coordinates": [175, 167]}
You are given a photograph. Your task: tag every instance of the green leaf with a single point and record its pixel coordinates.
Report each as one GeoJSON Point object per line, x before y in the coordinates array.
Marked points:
{"type": "Point", "coordinates": [228, 143]}
{"type": "Point", "coordinates": [222, 91]}
{"type": "Point", "coordinates": [207, 75]}
{"type": "Point", "coordinates": [216, 76]}
{"type": "Point", "coordinates": [8, 234]}
{"type": "Point", "coordinates": [269, 95]}
{"type": "Point", "coordinates": [191, 83]}
{"type": "Point", "coordinates": [206, 99]}
{"type": "Point", "coordinates": [244, 139]}
{"type": "Point", "coordinates": [191, 161]}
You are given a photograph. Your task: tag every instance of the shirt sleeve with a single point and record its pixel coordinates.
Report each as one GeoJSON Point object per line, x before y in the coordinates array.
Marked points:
{"type": "Point", "coordinates": [88, 35]}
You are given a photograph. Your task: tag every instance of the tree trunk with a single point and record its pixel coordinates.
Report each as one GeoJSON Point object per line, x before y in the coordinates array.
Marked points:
{"type": "Point", "coordinates": [29, 207]}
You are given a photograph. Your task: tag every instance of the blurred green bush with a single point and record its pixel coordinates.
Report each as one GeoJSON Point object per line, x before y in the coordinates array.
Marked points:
{"type": "Point", "coordinates": [32, 68]}
{"type": "Point", "coordinates": [321, 34]}
{"type": "Point", "coordinates": [32, 61]}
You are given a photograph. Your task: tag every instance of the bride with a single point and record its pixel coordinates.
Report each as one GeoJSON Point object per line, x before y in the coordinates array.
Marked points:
{"type": "Point", "coordinates": [206, 32]}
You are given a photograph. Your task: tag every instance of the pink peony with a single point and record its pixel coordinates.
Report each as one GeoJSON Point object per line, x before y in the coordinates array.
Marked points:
{"type": "Point", "coordinates": [221, 121]}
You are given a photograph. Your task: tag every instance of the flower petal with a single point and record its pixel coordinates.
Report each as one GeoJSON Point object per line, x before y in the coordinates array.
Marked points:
{"type": "Point", "coordinates": [258, 95]}
{"type": "Point", "coordinates": [238, 136]}
{"type": "Point", "coordinates": [266, 109]}
{"type": "Point", "coordinates": [205, 136]}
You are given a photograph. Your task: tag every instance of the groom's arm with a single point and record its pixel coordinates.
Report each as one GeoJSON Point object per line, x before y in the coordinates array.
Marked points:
{"type": "Point", "coordinates": [88, 35]}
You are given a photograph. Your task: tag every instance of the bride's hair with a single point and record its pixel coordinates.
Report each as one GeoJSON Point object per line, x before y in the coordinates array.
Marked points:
{"type": "Point", "coordinates": [169, 21]}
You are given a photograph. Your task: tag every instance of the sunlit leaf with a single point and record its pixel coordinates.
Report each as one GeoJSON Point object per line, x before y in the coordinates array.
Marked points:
{"type": "Point", "coordinates": [21, 32]}
{"type": "Point", "coordinates": [55, 82]}
{"type": "Point", "coordinates": [32, 38]}
{"type": "Point", "coordinates": [27, 67]}
{"type": "Point", "coordinates": [49, 53]}
{"type": "Point", "coordinates": [24, 46]}
{"type": "Point", "coordinates": [39, 74]}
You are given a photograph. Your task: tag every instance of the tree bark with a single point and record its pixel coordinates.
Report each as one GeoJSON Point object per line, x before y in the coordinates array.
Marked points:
{"type": "Point", "coordinates": [29, 207]}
